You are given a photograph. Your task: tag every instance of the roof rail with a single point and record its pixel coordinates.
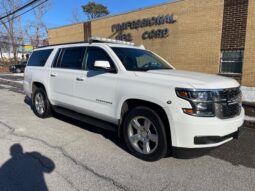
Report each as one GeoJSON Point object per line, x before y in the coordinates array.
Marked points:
{"type": "Point", "coordinates": [93, 40]}
{"type": "Point", "coordinates": [108, 40]}
{"type": "Point", "coordinates": [62, 44]}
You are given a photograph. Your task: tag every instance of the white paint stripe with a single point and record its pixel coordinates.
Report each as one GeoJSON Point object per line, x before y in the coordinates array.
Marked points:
{"type": "Point", "coordinates": [18, 82]}
{"type": "Point", "coordinates": [6, 74]}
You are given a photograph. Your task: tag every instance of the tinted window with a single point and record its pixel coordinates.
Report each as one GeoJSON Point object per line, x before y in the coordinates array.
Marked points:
{"type": "Point", "coordinates": [39, 58]}
{"type": "Point", "coordinates": [72, 58]}
{"type": "Point", "coordinates": [140, 60]}
{"type": "Point", "coordinates": [96, 54]}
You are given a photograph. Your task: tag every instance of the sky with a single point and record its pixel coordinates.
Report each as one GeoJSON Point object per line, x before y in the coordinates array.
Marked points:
{"type": "Point", "coordinates": [60, 11]}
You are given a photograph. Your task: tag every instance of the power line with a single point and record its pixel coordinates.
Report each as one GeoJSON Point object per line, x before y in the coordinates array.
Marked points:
{"type": "Point", "coordinates": [19, 9]}
{"type": "Point", "coordinates": [25, 12]}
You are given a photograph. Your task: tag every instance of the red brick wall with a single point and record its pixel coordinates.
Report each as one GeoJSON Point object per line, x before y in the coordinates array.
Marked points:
{"type": "Point", "coordinates": [234, 24]}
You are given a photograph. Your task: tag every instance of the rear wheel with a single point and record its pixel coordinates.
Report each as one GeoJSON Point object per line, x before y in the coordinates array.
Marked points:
{"type": "Point", "coordinates": [144, 134]}
{"type": "Point", "coordinates": [41, 104]}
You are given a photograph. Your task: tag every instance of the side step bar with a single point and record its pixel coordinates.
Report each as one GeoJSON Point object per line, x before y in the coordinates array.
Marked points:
{"type": "Point", "coordinates": [86, 119]}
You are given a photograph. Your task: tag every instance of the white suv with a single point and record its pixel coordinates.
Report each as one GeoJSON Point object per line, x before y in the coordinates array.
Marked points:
{"type": "Point", "coordinates": [133, 91]}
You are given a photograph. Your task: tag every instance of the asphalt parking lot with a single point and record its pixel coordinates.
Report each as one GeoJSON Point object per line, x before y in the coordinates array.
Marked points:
{"type": "Point", "coordinates": [62, 154]}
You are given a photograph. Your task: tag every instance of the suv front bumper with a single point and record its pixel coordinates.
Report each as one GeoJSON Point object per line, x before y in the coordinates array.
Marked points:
{"type": "Point", "coordinates": [202, 132]}
{"type": "Point", "coordinates": [188, 153]}
{"type": "Point", "coordinates": [203, 140]}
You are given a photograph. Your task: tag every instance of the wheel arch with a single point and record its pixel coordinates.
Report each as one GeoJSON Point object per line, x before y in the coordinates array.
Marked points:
{"type": "Point", "coordinates": [37, 84]}
{"type": "Point", "coordinates": [131, 103]}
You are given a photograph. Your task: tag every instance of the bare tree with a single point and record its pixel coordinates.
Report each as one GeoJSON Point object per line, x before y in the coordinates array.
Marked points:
{"type": "Point", "coordinates": [9, 23]}
{"type": "Point", "coordinates": [36, 30]}
{"type": "Point", "coordinates": [76, 16]}
{"type": "Point", "coordinates": [14, 33]}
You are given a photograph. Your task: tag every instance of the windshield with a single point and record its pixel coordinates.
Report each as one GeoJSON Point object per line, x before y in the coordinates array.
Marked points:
{"type": "Point", "coordinates": [140, 60]}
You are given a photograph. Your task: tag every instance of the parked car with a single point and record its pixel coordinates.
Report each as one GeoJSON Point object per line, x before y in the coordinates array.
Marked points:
{"type": "Point", "coordinates": [18, 68]}
{"type": "Point", "coordinates": [124, 88]}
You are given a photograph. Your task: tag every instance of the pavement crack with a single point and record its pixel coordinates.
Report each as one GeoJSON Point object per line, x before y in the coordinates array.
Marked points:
{"type": "Point", "coordinates": [12, 129]}
{"type": "Point", "coordinates": [68, 156]}
{"type": "Point", "coordinates": [165, 187]}
{"type": "Point", "coordinates": [87, 168]}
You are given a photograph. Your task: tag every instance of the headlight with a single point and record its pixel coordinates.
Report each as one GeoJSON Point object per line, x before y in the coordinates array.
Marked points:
{"type": "Point", "coordinates": [201, 102]}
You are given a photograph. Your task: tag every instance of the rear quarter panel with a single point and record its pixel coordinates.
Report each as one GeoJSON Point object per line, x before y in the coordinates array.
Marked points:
{"type": "Point", "coordinates": [34, 74]}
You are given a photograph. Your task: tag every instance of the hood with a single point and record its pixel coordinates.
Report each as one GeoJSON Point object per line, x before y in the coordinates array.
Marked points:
{"type": "Point", "coordinates": [187, 79]}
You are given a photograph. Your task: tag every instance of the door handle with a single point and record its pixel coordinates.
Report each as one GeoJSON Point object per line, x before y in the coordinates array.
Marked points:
{"type": "Point", "coordinates": [53, 75]}
{"type": "Point", "coordinates": [80, 79]}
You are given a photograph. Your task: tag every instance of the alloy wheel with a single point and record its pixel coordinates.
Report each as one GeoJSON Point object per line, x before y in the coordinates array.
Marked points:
{"type": "Point", "coordinates": [143, 135]}
{"type": "Point", "coordinates": [39, 103]}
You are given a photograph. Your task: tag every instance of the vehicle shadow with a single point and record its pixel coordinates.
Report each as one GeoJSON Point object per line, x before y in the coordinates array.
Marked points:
{"type": "Point", "coordinates": [25, 171]}
{"type": "Point", "coordinates": [238, 152]}
{"type": "Point", "coordinates": [110, 135]}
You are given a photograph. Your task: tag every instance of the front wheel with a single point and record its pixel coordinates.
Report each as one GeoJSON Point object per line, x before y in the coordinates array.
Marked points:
{"type": "Point", "coordinates": [41, 104]}
{"type": "Point", "coordinates": [144, 134]}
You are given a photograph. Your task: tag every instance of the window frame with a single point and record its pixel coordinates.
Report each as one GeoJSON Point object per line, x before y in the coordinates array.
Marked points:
{"type": "Point", "coordinates": [40, 50]}
{"type": "Point", "coordinates": [56, 59]}
{"type": "Point", "coordinates": [221, 61]}
{"type": "Point", "coordinates": [115, 68]}
{"type": "Point", "coordinates": [59, 57]}
{"type": "Point", "coordinates": [156, 57]}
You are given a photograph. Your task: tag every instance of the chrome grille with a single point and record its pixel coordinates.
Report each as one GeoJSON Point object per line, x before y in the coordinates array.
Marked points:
{"type": "Point", "coordinates": [228, 103]}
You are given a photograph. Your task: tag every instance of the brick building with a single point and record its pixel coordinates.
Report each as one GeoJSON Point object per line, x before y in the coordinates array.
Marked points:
{"type": "Point", "coordinates": [212, 36]}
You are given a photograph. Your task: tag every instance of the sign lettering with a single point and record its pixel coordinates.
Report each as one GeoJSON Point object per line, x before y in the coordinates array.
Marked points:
{"type": "Point", "coordinates": [142, 23]}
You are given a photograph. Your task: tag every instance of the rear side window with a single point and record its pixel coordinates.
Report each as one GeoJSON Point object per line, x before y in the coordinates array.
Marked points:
{"type": "Point", "coordinates": [39, 58]}
{"type": "Point", "coordinates": [72, 58]}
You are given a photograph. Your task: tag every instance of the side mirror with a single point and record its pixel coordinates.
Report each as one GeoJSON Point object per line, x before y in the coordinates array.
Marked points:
{"type": "Point", "coordinates": [104, 65]}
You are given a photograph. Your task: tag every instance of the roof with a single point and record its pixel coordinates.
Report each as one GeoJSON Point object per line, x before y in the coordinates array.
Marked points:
{"type": "Point", "coordinates": [77, 44]}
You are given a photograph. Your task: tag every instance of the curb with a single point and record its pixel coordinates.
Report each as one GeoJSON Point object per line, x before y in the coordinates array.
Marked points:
{"type": "Point", "coordinates": [249, 121]}
{"type": "Point", "coordinates": [249, 124]}
{"type": "Point", "coordinates": [11, 83]}
{"type": "Point", "coordinates": [249, 109]}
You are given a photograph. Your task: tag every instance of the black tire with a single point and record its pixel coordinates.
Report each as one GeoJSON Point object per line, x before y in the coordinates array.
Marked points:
{"type": "Point", "coordinates": [47, 106]}
{"type": "Point", "coordinates": [161, 147]}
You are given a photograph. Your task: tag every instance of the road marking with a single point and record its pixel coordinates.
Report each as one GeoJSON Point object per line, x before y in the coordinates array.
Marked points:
{"type": "Point", "coordinates": [13, 81]}
{"type": "Point", "coordinates": [5, 86]}
{"type": "Point", "coordinates": [10, 74]}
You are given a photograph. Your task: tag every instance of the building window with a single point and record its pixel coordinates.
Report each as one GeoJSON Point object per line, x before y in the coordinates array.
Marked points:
{"type": "Point", "coordinates": [231, 61]}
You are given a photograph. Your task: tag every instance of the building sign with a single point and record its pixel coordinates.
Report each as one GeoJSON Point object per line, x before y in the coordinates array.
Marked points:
{"type": "Point", "coordinates": [28, 48]}
{"type": "Point", "coordinates": [142, 23]}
